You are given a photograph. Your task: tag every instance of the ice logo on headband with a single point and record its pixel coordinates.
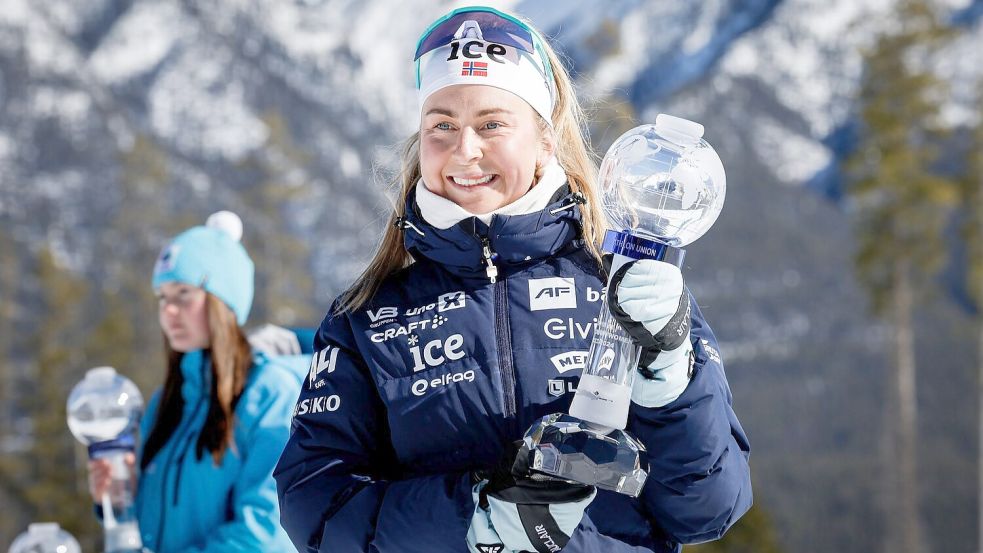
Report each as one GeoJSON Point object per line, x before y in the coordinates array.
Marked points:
{"type": "Point", "coordinates": [475, 47]}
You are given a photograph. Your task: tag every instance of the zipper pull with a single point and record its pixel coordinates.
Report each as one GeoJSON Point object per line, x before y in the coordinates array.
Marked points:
{"type": "Point", "coordinates": [491, 270]}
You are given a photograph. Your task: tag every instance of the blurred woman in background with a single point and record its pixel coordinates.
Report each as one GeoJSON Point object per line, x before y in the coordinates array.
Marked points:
{"type": "Point", "coordinates": [212, 435]}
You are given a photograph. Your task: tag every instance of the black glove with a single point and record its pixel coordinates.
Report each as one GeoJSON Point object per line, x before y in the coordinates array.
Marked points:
{"type": "Point", "coordinates": [654, 308]}
{"type": "Point", "coordinates": [531, 511]}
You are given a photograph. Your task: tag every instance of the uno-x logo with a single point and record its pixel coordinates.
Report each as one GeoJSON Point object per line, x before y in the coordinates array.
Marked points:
{"type": "Point", "coordinates": [446, 302]}
{"type": "Point", "coordinates": [323, 360]}
{"type": "Point", "coordinates": [552, 293]}
{"type": "Point", "coordinates": [452, 300]}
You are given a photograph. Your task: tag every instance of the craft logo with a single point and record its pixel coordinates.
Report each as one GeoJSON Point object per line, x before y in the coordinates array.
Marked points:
{"type": "Point", "coordinates": [406, 330]}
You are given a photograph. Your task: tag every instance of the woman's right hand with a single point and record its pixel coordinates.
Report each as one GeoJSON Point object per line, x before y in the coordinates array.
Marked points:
{"type": "Point", "coordinates": [101, 475]}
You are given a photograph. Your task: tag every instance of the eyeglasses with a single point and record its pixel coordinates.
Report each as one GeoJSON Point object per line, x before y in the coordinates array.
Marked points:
{"type": "Point", "coordinates": [494, 26]}
{"type": "Point", "coordinates": [185, 297]}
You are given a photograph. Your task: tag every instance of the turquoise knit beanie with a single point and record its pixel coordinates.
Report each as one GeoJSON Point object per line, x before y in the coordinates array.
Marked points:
{"type": "Point", "coordinates": [212, 258]}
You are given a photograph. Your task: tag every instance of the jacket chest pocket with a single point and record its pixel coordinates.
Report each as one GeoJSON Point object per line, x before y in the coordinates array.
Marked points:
{"type": "Point", "coordinates": [442, 409]}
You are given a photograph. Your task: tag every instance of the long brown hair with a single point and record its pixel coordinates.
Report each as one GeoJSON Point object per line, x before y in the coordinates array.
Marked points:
{"type": "Point", "coordinates": [231, 360]}
{"type": "Point", "coordinates": [572, 152]}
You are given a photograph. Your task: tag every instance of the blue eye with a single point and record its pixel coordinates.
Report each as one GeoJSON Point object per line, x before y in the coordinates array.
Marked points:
{"type": "Point", "coordinates": [443, 126]}
{"type": "Point", "coordinates": [492, 125]}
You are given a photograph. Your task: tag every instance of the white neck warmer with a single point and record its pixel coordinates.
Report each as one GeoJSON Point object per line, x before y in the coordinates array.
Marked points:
{"type": "Point", "coordinates": [443, 213]}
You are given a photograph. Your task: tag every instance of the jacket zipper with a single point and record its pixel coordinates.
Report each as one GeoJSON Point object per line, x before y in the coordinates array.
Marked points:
{"type": "Point", "coordinates": [166, 470]}
{"type": "Point", "coordinates": [490, 269]}
{"type": "Point", "coordinates": [503, 335]}
{"type": "Point", "coordinates": [182, 444]}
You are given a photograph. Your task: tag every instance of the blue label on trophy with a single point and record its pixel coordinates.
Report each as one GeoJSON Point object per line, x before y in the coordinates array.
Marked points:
{"type": "Point", "coordinates": [126, 442]}
{"type": "Point", "coordinates": [635, 247]}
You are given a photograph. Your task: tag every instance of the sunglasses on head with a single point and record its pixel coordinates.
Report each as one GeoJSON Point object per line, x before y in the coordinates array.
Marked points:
{"type": "Point", "coordinates": [487, 25]}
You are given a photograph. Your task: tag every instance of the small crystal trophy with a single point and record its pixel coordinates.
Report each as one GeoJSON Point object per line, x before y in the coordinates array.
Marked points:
{"type": "Point", "coordinates": [104, 411]}
{"type": "Point", "coordinates": [662, 187]}
{"type": "Point", "coordinates": [45, 537]}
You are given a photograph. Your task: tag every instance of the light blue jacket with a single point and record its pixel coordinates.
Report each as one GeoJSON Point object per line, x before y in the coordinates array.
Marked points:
{"type": "Point", "coordinates": [190, 505]}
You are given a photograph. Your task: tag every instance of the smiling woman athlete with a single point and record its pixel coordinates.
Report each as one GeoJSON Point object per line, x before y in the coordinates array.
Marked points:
{"type": "Point", "coordinates": [447, 348]}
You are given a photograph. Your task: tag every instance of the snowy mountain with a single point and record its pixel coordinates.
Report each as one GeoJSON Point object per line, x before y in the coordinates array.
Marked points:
{"type": "Point", "coordinates": [123, 121]}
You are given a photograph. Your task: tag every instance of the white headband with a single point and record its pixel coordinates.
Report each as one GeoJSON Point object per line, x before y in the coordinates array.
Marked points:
{"type": "Point", "coordinates": [471, 60]}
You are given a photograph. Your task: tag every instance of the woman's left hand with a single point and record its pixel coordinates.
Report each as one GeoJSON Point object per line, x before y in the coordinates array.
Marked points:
{"type": "Point", "coordinates": [650, 301]}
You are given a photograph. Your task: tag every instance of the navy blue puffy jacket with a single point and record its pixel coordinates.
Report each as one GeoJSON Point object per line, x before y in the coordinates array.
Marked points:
{"type": "Point", "coordinates": [410, 394]}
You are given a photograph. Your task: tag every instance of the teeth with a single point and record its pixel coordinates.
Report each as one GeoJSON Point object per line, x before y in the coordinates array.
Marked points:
{"type": "Point", "coordinates": [472, 182]}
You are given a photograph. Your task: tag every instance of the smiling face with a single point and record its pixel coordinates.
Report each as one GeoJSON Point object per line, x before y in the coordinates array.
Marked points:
{"type": "Point", "coordinates": [183, 315]}
{"type": "Point", "coordinates": [480, 146]}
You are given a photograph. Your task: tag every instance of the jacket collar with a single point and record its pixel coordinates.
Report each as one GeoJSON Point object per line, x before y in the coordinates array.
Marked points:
{"type": "Point", "coordinates": [196, 370]}
{"type": "Point", "coordinates": [514, 240]}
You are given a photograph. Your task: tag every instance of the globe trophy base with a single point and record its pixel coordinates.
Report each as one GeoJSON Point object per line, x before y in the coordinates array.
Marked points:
{"type": "Point", "coordinates": [568, 448]}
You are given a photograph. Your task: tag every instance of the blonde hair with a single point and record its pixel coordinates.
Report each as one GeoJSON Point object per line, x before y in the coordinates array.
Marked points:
{"type": "Point", "coordinates": [572, 152]}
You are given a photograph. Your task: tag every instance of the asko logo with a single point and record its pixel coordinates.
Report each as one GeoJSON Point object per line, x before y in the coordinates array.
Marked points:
{"type": "Point", "coordinates": [552, 293]}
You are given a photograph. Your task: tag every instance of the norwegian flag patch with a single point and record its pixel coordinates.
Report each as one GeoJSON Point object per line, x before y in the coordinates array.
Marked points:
{"type": "Point", "coordinates": [474, 69]}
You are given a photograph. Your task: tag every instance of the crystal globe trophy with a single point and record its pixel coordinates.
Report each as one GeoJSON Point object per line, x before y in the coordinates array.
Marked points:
{"type": "Point", "coordinates": [45, 537]}
{"type": "Point", "coordinates": [662, 187]}
{"type": "Point", "coordinates": [104, 411]}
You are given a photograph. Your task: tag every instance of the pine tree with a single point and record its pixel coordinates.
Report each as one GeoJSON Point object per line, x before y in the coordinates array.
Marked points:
{"type": "Point", "coordinates": [284, 289]}
{"type": "Point", "coordinates": [50, 467]}
{"type": "Point", "coordinates": [971, 200]}
{"type": "Point", "coordinates": [754, 533]}
{"type": "Point", "coordinates": [900, 207]}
